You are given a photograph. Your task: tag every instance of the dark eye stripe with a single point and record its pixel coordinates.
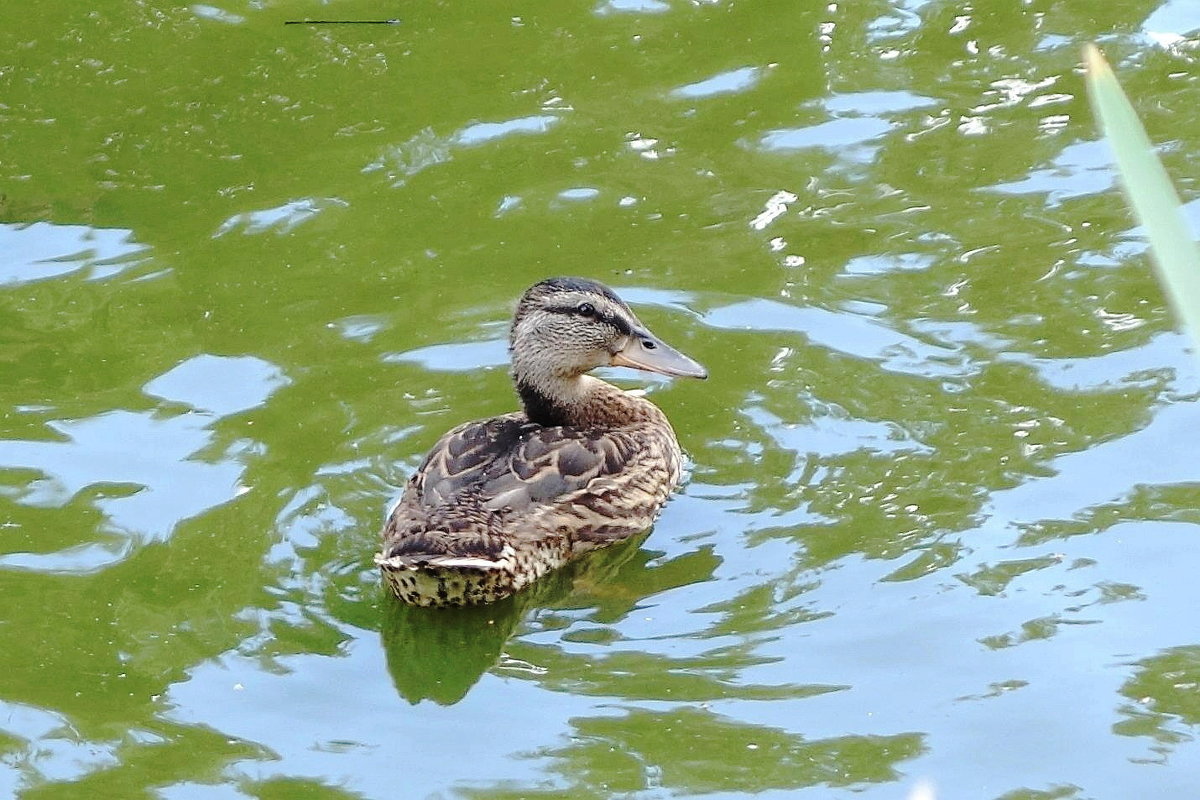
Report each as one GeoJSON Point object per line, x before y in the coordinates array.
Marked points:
{"type": "Point", "coordinates": [615, 320]}
{"type": "Point", "coordinates": [620, 323]}
{"type": "Point", "coordinates": [569, 310]}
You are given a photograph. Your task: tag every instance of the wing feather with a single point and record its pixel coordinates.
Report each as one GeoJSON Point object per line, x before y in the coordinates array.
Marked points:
{"type": "Point", "coordinates": [504, 478]}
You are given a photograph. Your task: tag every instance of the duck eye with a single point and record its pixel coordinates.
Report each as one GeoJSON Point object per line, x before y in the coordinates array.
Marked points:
{"type": "Point", "coordinates": [586, 310]}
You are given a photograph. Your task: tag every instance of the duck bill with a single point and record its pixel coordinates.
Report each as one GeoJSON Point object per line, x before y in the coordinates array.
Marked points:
{"type": "Point", "coordinates": [646, 351]}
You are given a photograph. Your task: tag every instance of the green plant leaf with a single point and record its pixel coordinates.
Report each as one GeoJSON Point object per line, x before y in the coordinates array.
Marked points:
{"type": "Point", "coordinates": [1150, 193]}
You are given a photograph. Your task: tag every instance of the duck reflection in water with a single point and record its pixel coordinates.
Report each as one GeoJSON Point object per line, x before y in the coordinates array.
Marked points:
{"type": "Point", "coordinates": [439, 654]}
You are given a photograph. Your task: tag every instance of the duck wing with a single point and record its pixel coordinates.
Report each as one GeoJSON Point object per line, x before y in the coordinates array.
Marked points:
{"type": "Point", "coordinates": [504, 481]}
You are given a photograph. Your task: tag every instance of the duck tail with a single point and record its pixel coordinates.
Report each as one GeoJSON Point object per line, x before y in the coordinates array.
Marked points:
{"type": "Point", "coordinates": [435, 561]}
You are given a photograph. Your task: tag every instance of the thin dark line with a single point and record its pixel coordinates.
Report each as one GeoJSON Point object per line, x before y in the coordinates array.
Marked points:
{"type": "Point", "coordinates": [342, 22]}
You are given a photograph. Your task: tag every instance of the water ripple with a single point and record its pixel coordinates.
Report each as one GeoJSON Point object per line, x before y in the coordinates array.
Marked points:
{"type": "Point", "coordinates": [141, 469]}
{"type": "Point", "coordinates": [281, 219]}
{"type": "Point", "coordinates": [846, 333]}
{"type": "Point", "coordinates": [732, 82]}
{"type": "Point", "coordinates": [43, 250]}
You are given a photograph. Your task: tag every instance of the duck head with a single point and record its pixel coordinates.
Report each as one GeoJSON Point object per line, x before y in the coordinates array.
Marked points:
{"type": "Point", "coordinates": [564, 327]}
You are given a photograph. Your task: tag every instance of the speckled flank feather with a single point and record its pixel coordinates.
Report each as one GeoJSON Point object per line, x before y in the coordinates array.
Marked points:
{"type": "Point", "coordinates": [499, 502]}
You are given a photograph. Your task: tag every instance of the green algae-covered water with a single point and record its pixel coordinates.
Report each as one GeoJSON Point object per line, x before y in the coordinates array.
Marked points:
{"type": "Point", "coordinates": [942, 521]}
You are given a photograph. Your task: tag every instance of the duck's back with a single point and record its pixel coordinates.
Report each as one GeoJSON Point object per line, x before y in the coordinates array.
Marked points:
{"type": "Point", "coordinates": [498, 502]}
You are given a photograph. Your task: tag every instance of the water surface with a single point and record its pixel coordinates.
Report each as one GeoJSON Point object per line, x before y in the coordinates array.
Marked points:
{"type": "Point", "coordinates": [941, 519]}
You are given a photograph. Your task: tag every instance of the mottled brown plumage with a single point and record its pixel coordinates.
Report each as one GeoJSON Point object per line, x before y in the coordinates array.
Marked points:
{"type": "Point", "coordinates": [498, 502]}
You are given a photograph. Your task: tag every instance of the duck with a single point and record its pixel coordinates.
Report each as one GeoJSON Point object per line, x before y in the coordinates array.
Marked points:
{"type": "Point", "coordinates": [499, 502]}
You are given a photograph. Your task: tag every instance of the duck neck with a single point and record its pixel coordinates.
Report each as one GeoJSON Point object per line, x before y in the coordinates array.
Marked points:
{"type": "Point", "coordinates": [551, 399]}
{"type": "Point", "coordinates": [578, 400]}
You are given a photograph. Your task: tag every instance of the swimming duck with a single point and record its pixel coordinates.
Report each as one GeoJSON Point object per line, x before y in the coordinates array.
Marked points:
{"type": "Point", "coordinates": [498, 502]}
